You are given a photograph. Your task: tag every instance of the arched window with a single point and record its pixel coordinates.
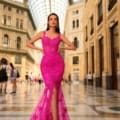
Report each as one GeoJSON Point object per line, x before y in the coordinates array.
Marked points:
{"type": "Point", "coordinates": [4, 19]}
{"type": "Point", "coordinates": [75, 42]}
{"type": "Point", "coordinates": [73, 24]}
{"type": "Point", "coordinates": [21, 24]}
{"type": "Point", "coordinates": [4, 7]}
{"type": "Point", "coordinates": [77, 11]}
{"type": "Point", "coordinates": [17, 23]}
{"type": "Point", "coordinates": [5, 40]}
{"type": "Point", "coordinates": [9, 8]}
{"type": "Point", "coordinates": [77, 22]}
{"type": "Point", "coordinates": [9, 20]}
{"type": "Point", "coordinates": [18, 43]}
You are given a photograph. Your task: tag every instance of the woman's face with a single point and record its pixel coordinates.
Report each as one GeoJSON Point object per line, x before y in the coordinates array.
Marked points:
{"type": "Point", "coordinates": [53, 21]}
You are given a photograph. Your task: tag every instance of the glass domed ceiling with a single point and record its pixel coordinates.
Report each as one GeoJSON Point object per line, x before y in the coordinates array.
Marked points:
{"type": "Point", "coordinates": [40, 10]}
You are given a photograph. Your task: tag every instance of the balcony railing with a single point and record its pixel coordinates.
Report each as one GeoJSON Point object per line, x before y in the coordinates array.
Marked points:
{"type": "Point", "coordinates": [111, 4]}
{"type": "Point", "coordinates": [17, 51]}
{"type": "Point", "coordinates": [13, 50]}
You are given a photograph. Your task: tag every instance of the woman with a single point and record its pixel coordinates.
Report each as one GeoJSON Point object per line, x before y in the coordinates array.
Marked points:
{"type": "Point", "coordinates": [3, 74]}
{"type": "Point", "coordinates": [13, 76]}
{"type": "Point", "coordinates": [52, 105]}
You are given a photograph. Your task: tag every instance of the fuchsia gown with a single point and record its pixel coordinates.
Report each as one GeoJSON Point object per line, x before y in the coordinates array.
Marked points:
{"type": "Point", "coordinates": [52, 68]}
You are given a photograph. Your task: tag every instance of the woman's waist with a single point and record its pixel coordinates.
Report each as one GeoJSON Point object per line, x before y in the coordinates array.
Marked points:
{"type": "Point", "coordinates": [56, 55]}
{"type": "Point", "coordinates": [51, 53]}
{"type": "Point", "coordinates": [52, 59]}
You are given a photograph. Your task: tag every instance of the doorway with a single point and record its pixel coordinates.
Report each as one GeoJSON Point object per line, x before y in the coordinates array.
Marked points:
{"type": "Point", "coordinates": [114, 53]}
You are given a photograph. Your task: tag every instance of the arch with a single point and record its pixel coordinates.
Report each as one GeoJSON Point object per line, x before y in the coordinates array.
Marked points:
{"type": "Point", "coordinates": [77, 22]}
{"type": "Point", "coordinates": [6, 40]}
{"type": "Point", "coordinates": [76, 42]}
{"type": "Point", "coordinates": [73, 23]}
{"type": "Point", "coordinates": [18, 43]}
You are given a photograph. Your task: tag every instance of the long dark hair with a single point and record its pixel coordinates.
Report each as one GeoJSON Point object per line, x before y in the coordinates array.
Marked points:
{"type": "Point", "coordinates": [12, 66]}
{"type": "Point", "coordinates": [57, 28]}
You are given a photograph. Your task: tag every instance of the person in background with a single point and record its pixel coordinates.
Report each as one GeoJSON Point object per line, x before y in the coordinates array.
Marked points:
{"type": "Point", "coordinates": [31, 77]}
{"type": "Point", "coordinates": [39, 79]}
{"type": "Point", "coordinates": [26, 77]}
{"type": "Point", "coordinates": [69, 79]}
{"type": "Point", "coordinates": [3, 74]}
{"type": "Point", "coordinates": [13, 76]}
{"type": "Point", "coordinates": [90, 78]}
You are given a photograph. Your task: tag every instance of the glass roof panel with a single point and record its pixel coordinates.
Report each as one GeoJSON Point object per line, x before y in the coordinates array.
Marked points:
{"type": "Point", "coordinates": [40, 10]}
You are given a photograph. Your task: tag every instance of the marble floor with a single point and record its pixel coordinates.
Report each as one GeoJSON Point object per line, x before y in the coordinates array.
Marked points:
{"type": "Point", "coordinates": [83, 102]}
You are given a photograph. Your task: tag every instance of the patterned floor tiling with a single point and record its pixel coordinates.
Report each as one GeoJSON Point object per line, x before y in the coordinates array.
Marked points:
{"type": "Point", "coordinates": [83, 102]}
{"type": "Point", "coordinates": [14, 118]}
{"type": "Point", "coordinates": [13, 108]}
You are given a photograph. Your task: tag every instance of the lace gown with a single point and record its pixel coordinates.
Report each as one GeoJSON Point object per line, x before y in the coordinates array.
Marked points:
{"type": "Point", "coordinates": [52, 68]}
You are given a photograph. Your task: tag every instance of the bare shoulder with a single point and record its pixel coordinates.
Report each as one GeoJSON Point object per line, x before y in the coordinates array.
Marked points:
{"type": "Point", "coordinates": [62, 36]}
{"type": "Point", "coordinates": [40, 34]}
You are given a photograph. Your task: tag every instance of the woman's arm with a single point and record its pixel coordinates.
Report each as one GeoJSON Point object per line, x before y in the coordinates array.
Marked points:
{"type": "Point", "coordinates": [69, 46]}
{"type": "Point", "coordinates": [31, 42]}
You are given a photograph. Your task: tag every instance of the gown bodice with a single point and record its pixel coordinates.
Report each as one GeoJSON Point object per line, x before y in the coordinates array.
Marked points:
{"type": "Point", "coordinates": [50, 45]}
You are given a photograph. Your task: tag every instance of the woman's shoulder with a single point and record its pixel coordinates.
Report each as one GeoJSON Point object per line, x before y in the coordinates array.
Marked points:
{"type": "Point", "coordinates": [62, 36]}
{"type": "Point", "coordinates": [42, 33]}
